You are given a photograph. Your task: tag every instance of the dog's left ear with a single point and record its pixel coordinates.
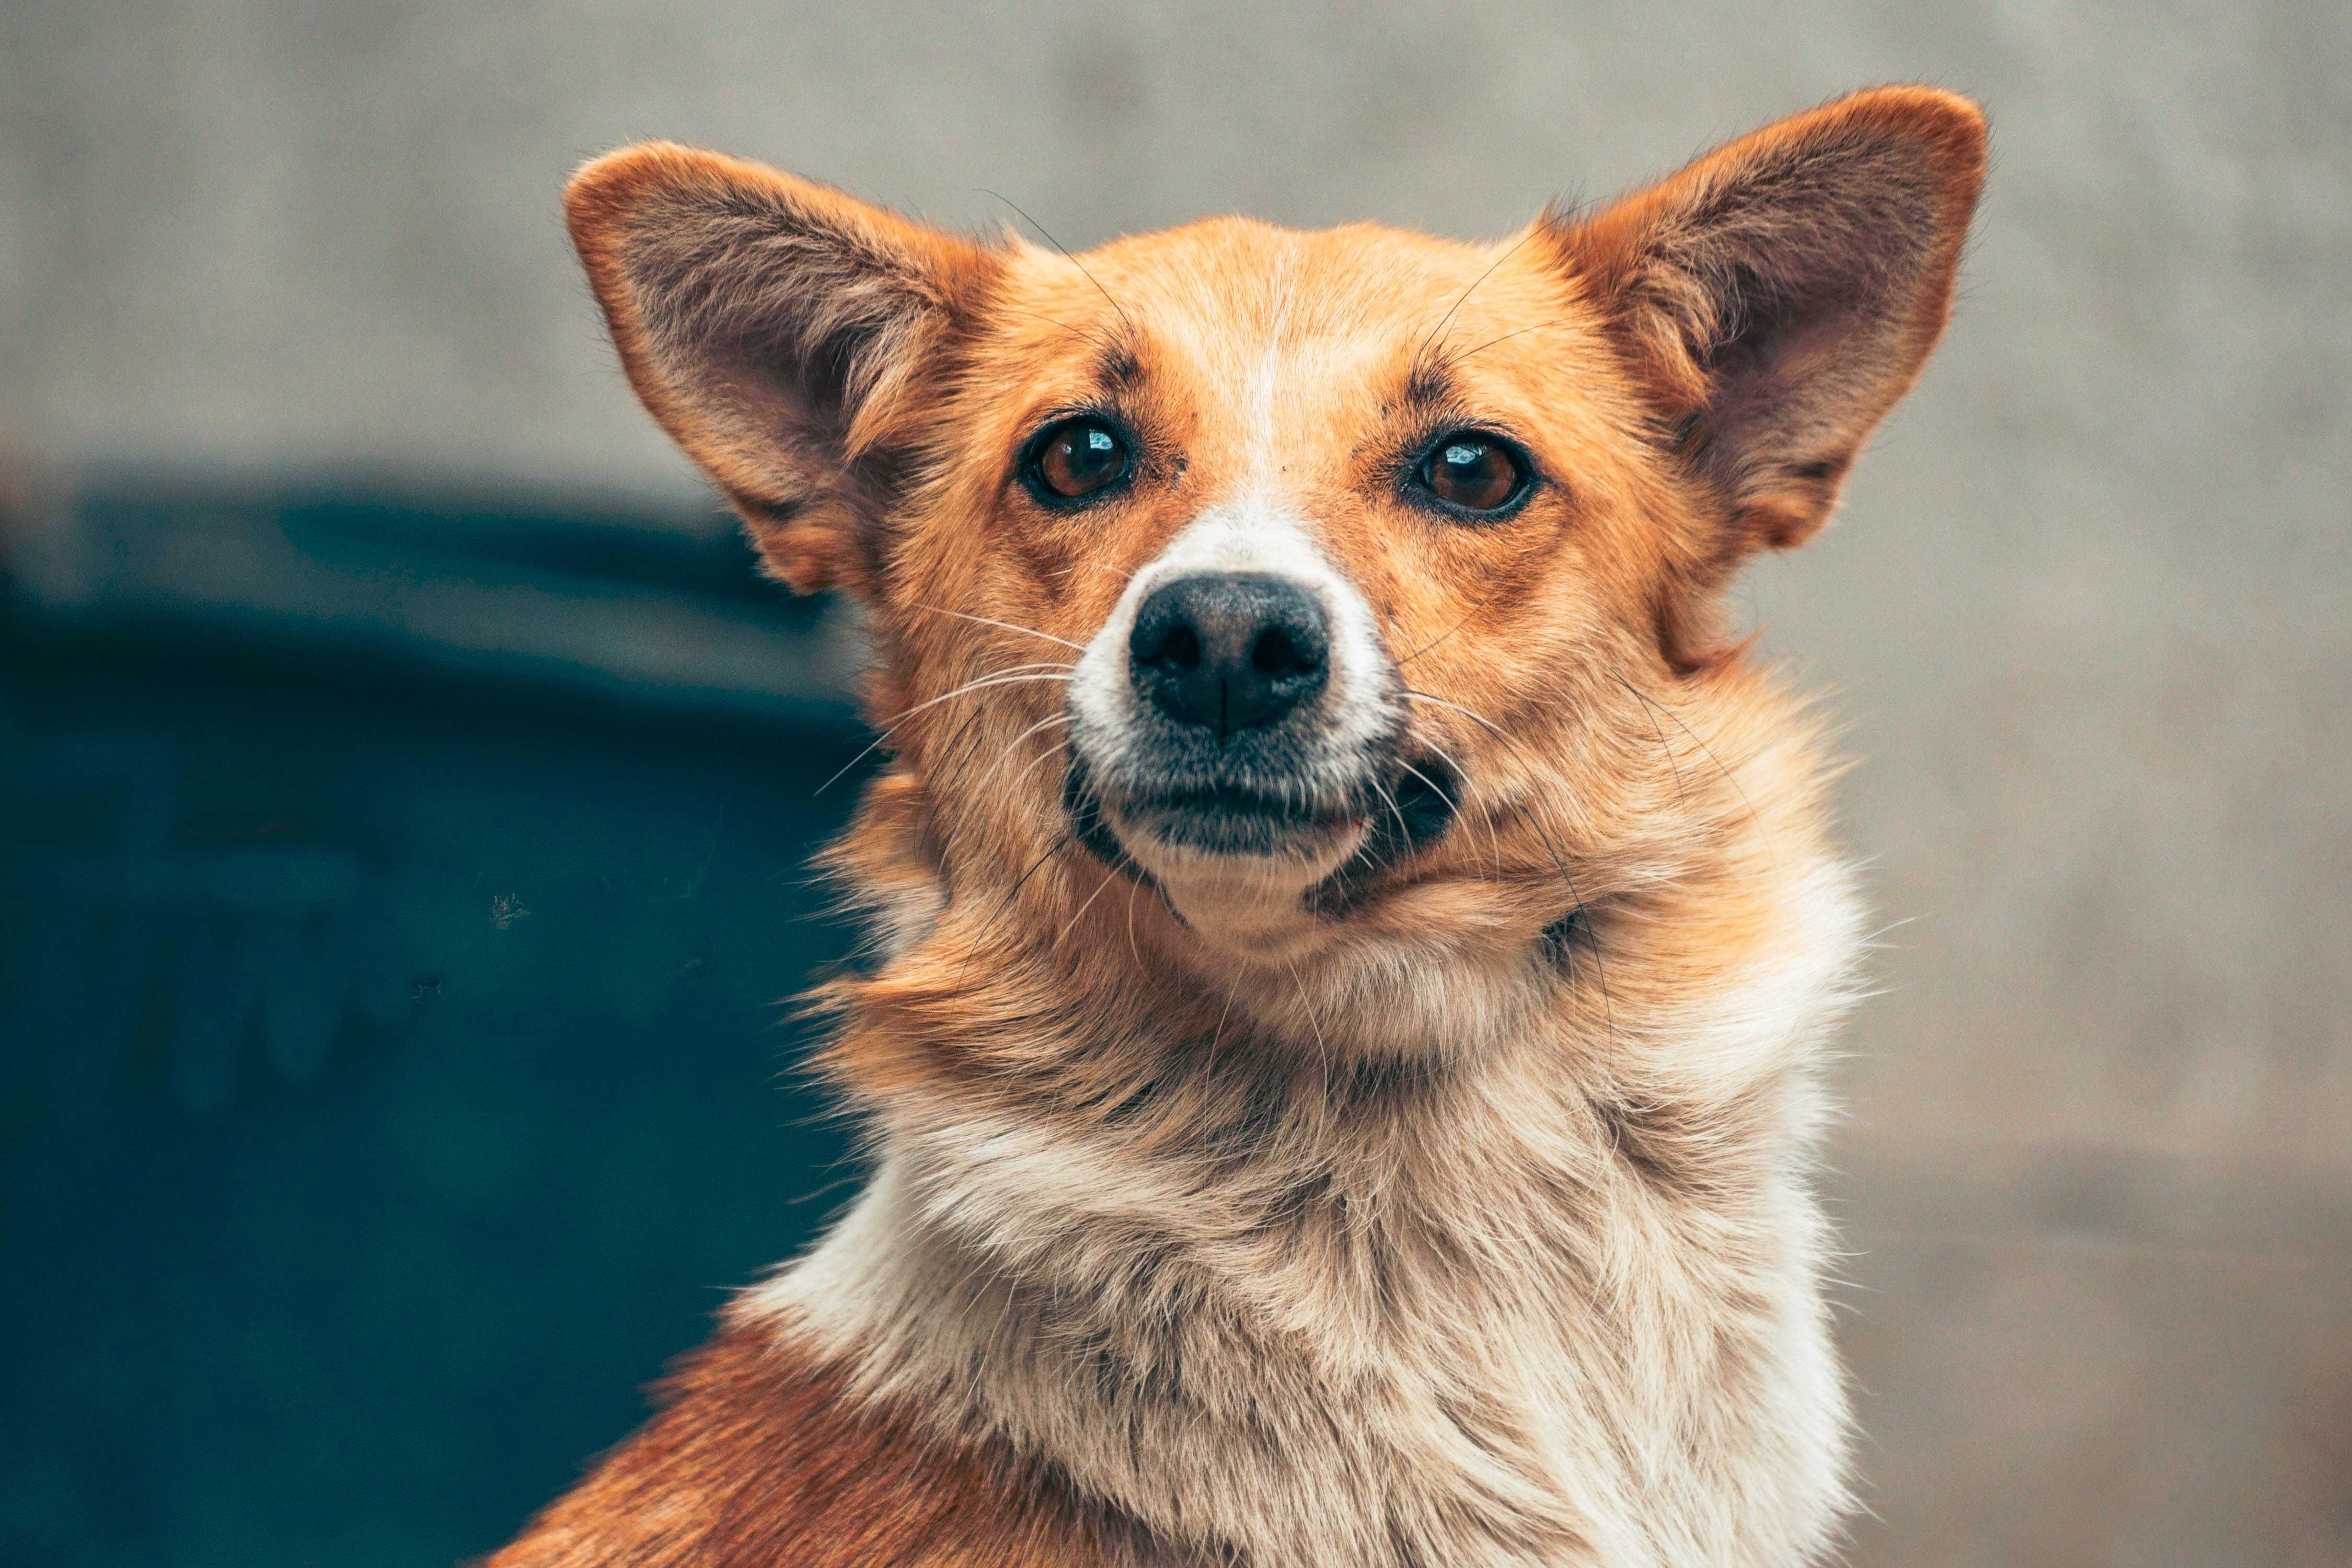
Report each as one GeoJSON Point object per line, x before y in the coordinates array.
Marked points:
{"type": "Point", "coordinates": [1779, 294]}
{"type": "Point", "coordinates": [782, 331]}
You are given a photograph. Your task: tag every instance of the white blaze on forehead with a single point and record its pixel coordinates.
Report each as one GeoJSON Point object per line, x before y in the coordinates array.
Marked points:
{"type": "Point", "coordinates": [1262, 437]}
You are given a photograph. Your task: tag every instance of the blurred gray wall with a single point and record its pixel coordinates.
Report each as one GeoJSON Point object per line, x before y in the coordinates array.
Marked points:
{"type": "Point", "coordinates": [2087, 608]}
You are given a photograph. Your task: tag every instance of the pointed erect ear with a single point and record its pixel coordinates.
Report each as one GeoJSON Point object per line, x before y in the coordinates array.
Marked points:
{"type": "Point", "coordinates": [1779, 294]}
{"type": "Point", "coordinates": [780, 332]}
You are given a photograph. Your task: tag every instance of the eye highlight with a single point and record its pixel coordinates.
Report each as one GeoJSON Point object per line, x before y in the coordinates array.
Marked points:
{"type": "Point", "coordinates": [1075, 459]}
{"type": "Point", "coordinates": [1474, 473]}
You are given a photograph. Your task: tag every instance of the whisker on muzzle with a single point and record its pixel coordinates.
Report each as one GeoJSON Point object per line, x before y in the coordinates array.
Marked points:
{"type": "Point", "coordinates": [1494, 842]}
{"type": "Point", "coordinates": [1006, 625]}
{"type": "Point", "coordinates": [1013, 748]}
{"type": "Point", "coordinates": [1015, 676]}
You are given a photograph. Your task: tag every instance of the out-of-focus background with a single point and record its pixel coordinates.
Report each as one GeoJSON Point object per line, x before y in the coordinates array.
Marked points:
{"type": "Point", "coordinates": [406, 783]}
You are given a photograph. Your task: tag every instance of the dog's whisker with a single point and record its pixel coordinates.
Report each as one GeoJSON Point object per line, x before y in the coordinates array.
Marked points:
{"type": "Point", "coordinates": [1013, 748]}
{"type": "Point", "coordinates": [1506, 337]}
{"type": "Point", "coordinates": [1533, 229]}
{"type": "Point", "coordinates": [1518, 748]}
{"type": "Point", "coordinates": [1728, 776]}
{"type": "Point", "coordinates": [1493, 843]}
{"type": "Point", "coordinates": [1059, 844]}
{"type": "Point", "coordinates": [1474, 612]}
{"type": "Point", "coordinates": [1681, 794]}
{"type": "Point", "coordinates": [1125, 320]}
{"type": "Point", "coordinates": [1404, 832]}
{"type": "Point", "coordinates": [1307, 1010]}
{"type": "Point", "coordinates": [1467, 713]}
{"type": "Point", "coordinates": [1133, 951]}
{"type": "Point", "coordinates": [1096, 339]}
{"type": "Point", "coordinates": [1040, 761]}
{"type": "Point", "coordinates": [1012, 676]}
{"type": "Point", "coordinates": [1559, 862]}
{"type": "Point", "coordinates": [970, 728]}
{"type": "Point", "coordinates": [1007, 626]}
{"type": "Point", "coordinates": [1087, 904]}
{"type": "Point", "coordinates": [1218, 1035]}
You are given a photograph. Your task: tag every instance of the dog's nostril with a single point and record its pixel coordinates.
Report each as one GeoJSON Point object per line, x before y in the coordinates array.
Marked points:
{"type": "Point", "coordinates": [1181, 649]}
{"type": "Point", "coordinates": [1164, 639]}
{"type": "Point", "coordinates": [1275, 656]}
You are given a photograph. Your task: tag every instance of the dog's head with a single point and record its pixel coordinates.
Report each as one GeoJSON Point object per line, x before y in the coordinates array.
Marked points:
{"type": "Point", "coordinates": [1317, 590]}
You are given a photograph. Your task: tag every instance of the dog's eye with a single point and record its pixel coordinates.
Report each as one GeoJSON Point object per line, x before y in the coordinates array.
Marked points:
{"type": "Point", "coordinates": [1474, 473]}
{"type": "Point", "coordinates": [1074, 459]}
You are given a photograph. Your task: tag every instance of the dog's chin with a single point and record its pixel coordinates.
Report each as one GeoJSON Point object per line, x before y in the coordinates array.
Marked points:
{"type": "Point", "coordinates": [1264, 867]}
{"type": "Point", "coordinates": [1236, 865]}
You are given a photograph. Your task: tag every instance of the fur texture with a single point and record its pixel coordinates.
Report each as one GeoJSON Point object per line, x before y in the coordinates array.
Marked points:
{"type": "Point", "coordinates": [1435, 1193]}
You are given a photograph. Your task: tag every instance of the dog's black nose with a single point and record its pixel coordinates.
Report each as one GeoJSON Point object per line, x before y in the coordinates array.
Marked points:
{"type": "Point", "coordinates": [1229, 651]}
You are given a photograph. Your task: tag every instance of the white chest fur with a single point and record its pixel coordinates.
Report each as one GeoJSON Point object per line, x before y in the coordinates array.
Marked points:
{"type": "Point", "coordinates": [1485, 1315]}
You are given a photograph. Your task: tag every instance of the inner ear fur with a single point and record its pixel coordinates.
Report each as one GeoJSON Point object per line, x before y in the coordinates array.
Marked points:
{"type": "Point", "coordinates": [782, 331]}
{"type": "Point", "coordinates": [1779, 294]}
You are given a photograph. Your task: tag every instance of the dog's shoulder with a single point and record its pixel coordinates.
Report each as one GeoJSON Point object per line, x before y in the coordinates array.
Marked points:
{"type": "Point", "coordinates": [760, 1453]}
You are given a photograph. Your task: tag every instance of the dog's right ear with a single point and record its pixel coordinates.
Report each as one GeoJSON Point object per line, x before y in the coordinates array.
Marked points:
{"type": "Point", "coordinates": [780, 331]}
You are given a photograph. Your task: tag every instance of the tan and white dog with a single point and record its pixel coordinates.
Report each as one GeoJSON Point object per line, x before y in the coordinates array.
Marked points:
{"type": "Point", "coordinates": [1353, 936]}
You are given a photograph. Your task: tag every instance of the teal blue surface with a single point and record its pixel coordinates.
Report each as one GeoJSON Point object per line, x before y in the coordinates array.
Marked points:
{"type": "Point", "coordinates": [393, 1080]}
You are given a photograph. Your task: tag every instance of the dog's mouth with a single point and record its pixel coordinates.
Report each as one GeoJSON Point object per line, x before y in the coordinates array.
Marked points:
{"type": "Point", "coordinates": [1238, 819]}
{"type": "Point", "coordinates": [1392, 808]}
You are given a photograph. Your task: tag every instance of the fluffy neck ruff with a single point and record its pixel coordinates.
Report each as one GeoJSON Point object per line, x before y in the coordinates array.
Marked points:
{"type": "Point", "coordinates": [1554, 1297]}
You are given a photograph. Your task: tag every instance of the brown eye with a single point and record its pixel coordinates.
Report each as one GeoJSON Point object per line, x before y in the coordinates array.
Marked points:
{"type": "Point", "coordinates": [1474, 473]}
{"type": "Point", "coordinates": [1074, 459]}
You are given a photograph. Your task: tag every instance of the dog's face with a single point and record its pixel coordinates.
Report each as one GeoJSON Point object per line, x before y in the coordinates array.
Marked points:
{"type": "Point", "coordinates": [1301, 538]}
{"type": "Point", "coordinates": [1322, 586]}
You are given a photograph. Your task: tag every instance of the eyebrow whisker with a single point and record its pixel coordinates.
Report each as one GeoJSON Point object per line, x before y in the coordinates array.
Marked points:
{"type": "Point", "coordinates": [1431, 336]}
{"type": "Point", "coordinates": [1097, 340]}
{"type": "Point", "coordinates": [1490, 342]}
{"type": "Point", "coordinates": [1128, 319]}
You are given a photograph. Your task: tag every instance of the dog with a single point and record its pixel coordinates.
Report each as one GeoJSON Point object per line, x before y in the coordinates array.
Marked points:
{"type": "Point", "coordinates": [1353, 931]}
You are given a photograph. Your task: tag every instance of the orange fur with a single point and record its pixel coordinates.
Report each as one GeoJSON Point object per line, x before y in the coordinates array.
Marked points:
{"type": "Point", "coordinates": [757, 1458]}
{"type": "Point", "coordinates": [1639, 834]}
